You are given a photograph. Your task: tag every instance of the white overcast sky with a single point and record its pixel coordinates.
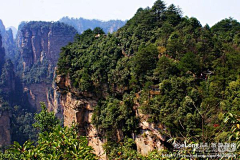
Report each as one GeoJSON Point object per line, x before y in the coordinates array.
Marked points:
{"type": "Point", "coordinates": [12, 12]}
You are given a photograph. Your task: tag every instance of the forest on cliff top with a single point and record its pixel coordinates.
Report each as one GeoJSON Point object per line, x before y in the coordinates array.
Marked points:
{"type": "Point", "coordinates": [187, 75]}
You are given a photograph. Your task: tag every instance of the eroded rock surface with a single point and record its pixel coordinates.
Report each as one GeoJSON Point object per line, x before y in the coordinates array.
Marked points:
{"type": "Point", "coordinates": [39, 44]}
{"type": "Point", "coordinates": [5, 136]}
{"type": "Point", "coordinates": [78, 107]}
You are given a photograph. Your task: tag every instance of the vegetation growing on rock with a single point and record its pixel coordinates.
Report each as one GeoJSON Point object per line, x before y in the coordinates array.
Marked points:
{"type": "Point", "coordinates": [54, 142]}
{"type": "Point", "coordinates": [194, 69]}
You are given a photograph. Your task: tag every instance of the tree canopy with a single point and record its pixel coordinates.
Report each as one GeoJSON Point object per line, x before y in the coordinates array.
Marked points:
{"type": "Point", "coordinates": [193, 69]}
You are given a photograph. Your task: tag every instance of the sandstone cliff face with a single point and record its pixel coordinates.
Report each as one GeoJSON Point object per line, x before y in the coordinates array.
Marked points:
{"type": "Point", "coordinates": [43, 40]}
{"type": "Point", "coordinates": [39, 44]}
{"type": "Point", "coordinates": [78, 107]}
{"type": "Point", "coordinates": [8, 41]}
{"type": "Point", "coordinates": [6, 87]}
{"type": "Point", "coordinates": [5, 136]}
{"type": "Point", "coordinates": [149, 137]}
{"type": "Point", "coordinates": [2, 54]}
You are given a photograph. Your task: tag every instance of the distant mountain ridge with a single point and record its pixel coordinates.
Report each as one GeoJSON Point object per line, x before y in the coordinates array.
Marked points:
{"type": "Point", "coordinates": [8, 41]}
{"type": "Point", "coordinates": [14, 31]}
{"type": "Point", "coordinates": [81, 24]}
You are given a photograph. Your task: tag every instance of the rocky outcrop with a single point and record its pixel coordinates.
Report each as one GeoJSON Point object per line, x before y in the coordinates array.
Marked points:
{"type": "Point", "coordinates": [43, 40]}
{"type": "Point", "coordinates": [39, 44]}
{"type": "Point", "coordinates": [2, 54]}
{"type": "Point", "coordinates": [14, 31]}
{"type": "Point", "coordinates": [8, 42]}
{"type": "Point", "coordinates": [6, 87]}
{"type": "Point", "coordinates": [5, 136]}
{"type": "Point", "coordinates": [149, 138]}
{"type": "Point", "coordinates": [7, 75]}
{"type": "Point", "coordinates": [78, 107]}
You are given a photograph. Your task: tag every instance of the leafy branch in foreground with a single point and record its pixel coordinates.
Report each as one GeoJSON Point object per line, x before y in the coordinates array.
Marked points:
{"type": "Point", "coordinates": [45, 121]}
{"type": "Point", "coordinates": [54, 142]}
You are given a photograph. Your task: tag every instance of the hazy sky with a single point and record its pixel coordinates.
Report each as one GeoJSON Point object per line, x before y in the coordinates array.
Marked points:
{"type": "Point", "coordinates": [12, 12]}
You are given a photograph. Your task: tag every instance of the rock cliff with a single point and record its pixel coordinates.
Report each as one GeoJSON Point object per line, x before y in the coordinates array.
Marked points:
{"type": "Point", "coordinates": [79, 106]}
{"type": "Point", "coordinates": [8, 41]}
{"type": "Point", "coordinates": [6, 88]}
{"type": "Point", "coordinates": [39, 44]}
{"type": "Point", "coordinates": [8, 79]}
{"type": "Point", "coordinates": [7, 74]}
{"type": "Point", "coordinates": [5, 136]}
{"type": "Point", "coordinates": [2, 54]}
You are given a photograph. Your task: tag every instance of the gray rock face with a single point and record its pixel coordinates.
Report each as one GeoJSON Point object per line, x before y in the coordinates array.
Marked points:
{"type": "Point", "coordinates": [78, 108]}
{"type": "Point", "coordinates": [43, 40]}
{"type": "Point", "coordinates": [8, 41]}
{"type": "Point", "coordinates": [2, 54]}
{"type": "Point", "coordinates": [39, 45]}
{"type": "Point", "coordinates": [2, 27]}
{"type": "Point", "coordinates": [35, 53]}
{"type": "Point", "coordinates": [14, 31]}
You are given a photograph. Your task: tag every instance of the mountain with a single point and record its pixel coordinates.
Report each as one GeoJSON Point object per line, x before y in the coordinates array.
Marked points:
{"type": "Point", "coordinates": [7, 89]}
{"type": "Point", "coordinates": [14, 31]}
{"type": "Point", "coordinates": [34, 53]}
{"type": "Point", "coordinates": [2, 53]}
{"type": "Point", "coordinates": [8, 41]}
{"type": "Point", "coordinates": [81, 24]}
{"type": "Point", "coordinates": [39, 45]}
{"type": "Point", "coordinates": [159, 78]}
{"type": "Point", "coordinates": [2, 27]}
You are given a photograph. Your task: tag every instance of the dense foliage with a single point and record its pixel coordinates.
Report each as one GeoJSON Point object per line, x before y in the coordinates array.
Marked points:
{"type": "Point", "coordinates": [14, 103]}
{"type": "Point", "coordinates": [21, 125]}
{"type": "Point", "coordinates": [6, 68]}
{"type": "Point", "coordinates": [45, 121]}
{"type": "Point", "coordinates": [38, 72]}
{"type": "Point", "coordinates": [54, 142]}
{"type": "Point", "coordinates": [55, 26]}
{"type": "Point", "coordinates": [192, 69]}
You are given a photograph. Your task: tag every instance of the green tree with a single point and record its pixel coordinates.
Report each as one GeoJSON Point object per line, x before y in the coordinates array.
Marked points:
{"type": "Point", "coordinates": [45, 121]}
{"type": "Point", "coordinates": [98, 30]}
{"type": "Point", "coordinates": [166, 67]}
{"type": "Point", "coordinates": [158, 9]}
{"type": "Point", "coordinates": [173, 15]}
{"type": "Point", "coordinates": [145, 60]}
{"type": "Point", "coordinates": [189, 62]}
{"type": "Point", "coordinates": [177, 72]}
{"type": "Point", "coordinates": [232, 99]}
{"type": "Point", "coordinates": [54, 142]}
